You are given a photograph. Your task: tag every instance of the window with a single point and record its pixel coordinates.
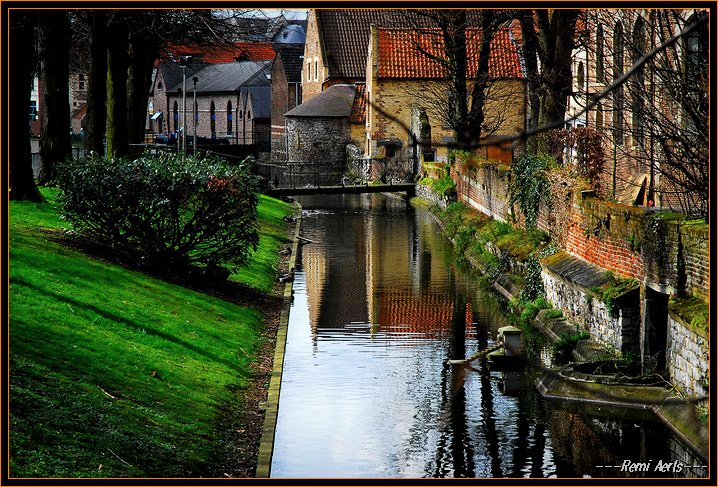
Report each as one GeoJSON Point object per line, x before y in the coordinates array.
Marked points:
{"type": "Point", "coordinates": [159, 85]}
{"type": "Point", "coordinates": [638, 83]}
{"type": "Point", "coordinates": [316, 70]}
{"type": "Point", "coordinates": [81, 81]}
{"type": "Point", "coordinates": [618, 95]}
{"type": "Point", "coordinates": [600, 73]}
{"type": "Point", "coordinates": [33, 110]}
{"type": "Point", "coordinates": [212, 120]}
{"type": "Point", "coordinates": [599, 116]}
{"type": "Point", "coordinates": [175, 116]}
{"type": "Point", "coordinates": [309, 70]}
{"type": "Point", "coordinates": [580, 76]}
{"type": "Point", "coordinates": [229, 118]}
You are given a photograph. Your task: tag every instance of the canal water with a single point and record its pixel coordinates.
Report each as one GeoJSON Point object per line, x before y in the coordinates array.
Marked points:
{"type": "Point", "coordinates": [380, 305]}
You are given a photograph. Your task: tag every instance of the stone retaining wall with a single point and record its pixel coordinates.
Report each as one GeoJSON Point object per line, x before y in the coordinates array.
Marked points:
{"type": "Point", "coordinates": [429, 194]}
{"type": "Point", "coordinates": [582, 308]}
{"type": "Point", "coordinates": [687, 357]}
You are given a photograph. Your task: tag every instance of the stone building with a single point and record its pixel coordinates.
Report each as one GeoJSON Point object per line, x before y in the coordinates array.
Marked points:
{"type": "Point", "coordinates": [319, 130]}
{"type": "Point", "coordinates": [336, 45]}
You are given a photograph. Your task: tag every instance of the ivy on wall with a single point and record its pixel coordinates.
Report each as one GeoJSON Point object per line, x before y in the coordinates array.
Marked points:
{"type": "Point", "coordinates": [529, 185]}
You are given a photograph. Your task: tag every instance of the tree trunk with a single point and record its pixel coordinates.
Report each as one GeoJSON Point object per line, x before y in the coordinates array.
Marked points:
{"type": "Point", "coordinates": [478, 94]}
{"type": "Point", "coordinates": [530, 45]}
{"type": "Point", "coordinates": [142, 57]}
{"type": "Point", "coordinates": [54, 39]}
{"type": "Point", "coordinates": [117, 66]}
{"type": "Point", "coordinates": [22, 183]}
{"type": "Point", "coordinates": [97, 87]}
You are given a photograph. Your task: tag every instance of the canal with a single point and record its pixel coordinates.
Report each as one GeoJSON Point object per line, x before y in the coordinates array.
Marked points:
{"type": "Point", "coordinates": [380, 305]}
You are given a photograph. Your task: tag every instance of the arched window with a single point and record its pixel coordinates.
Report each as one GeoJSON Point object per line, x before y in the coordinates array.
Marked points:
{"type": "Point", "coordinates": [695, 102]}
{"type": "Point", "coordinates": [638, 86]}
{"type": "Point", "coordinates": [600, 68]}
{"type": "Point", "coordinates": [212, 121]}
{"type": "Point", "coordinates": [580, 76]}
{"type": "Point", "coordinates": [175, 116]}
{"type": "Point", "coordinates": [229, 117]}
{"type": "Point", "coordinates": [599, 116]}
{"type": "Point", "coordinates": [618, 95]}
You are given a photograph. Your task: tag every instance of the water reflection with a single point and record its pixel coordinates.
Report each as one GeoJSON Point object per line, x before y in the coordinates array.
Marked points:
{"type": "Point", "coordinates": [380, 306]}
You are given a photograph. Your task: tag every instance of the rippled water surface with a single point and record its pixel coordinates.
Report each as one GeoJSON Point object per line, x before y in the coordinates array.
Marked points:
{"type": "Point", "coordinates": [379, 307]}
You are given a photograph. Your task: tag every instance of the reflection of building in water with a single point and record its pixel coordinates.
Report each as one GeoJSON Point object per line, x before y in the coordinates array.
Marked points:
{"type": "Point", "coordinates": [406, 279]}
{"type": "Point", "coordinates": [314, 262]}
{"type": "Point", "coordinates": [430, 315]}
{"type": "Point", "coordinates": [335, 289]}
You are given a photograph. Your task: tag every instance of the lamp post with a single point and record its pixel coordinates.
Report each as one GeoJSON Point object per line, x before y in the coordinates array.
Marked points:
{"type": "Point", "coordinates": [184, 61]}
{"type": "Point", "coordinates": [194, 110]}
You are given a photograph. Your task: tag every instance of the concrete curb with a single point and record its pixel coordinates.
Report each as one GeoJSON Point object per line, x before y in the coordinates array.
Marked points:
{"type": "Point", "coordinates": [266, 444]}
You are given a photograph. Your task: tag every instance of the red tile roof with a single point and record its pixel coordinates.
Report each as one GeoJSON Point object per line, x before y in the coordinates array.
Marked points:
{"type": "Point", "coordinates": [401, 56]}
{"type": "Point", "coordinates": [246, 51]}
{"type": "Point", "coordinates": [359, 106]}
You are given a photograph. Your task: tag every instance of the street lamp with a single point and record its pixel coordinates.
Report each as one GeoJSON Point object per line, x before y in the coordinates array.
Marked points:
{"type": "Point", "coordinates": [184, 61]}
{"type": "Point", "coordinates": [194, 110]}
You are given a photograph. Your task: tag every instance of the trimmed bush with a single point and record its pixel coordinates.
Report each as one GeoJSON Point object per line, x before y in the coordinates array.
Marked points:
{"type": "Point", "coordinates": [166, 212]}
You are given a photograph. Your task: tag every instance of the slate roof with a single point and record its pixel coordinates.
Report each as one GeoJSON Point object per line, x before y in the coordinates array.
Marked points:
{"type": "Point", "coordinates": [261, 97]}
{"type": "Point", "coordinates": [336, 102]}
{"type": "Point", "coordinates": [226, 77]}
{"type": "Point", "coordinates": [291, 60]}
{"type": "Point", "coordinates": [345, 37]}
{"type": "Point", "coordinates": [401, 56]}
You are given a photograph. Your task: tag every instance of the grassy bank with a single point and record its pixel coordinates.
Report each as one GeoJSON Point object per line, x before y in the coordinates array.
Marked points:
{"type": "Point", "coordinates": [116, 373]}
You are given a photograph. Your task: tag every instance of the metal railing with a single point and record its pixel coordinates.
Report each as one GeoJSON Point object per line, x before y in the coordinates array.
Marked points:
{"type": "Point", "coordinates": [316, 174]}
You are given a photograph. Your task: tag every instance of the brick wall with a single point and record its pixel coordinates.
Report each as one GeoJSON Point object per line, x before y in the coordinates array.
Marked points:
{"type": "Point", "coordinates": [641, 244]}
{"type": "Point", "coordinates": [313, 71]}
{"type": "Point", "coordinates": [485, 188]}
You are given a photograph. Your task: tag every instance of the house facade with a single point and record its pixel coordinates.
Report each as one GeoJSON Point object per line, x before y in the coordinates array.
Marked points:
{"type": "Point", "coordinates": [217, 107]}
{"type": "Point", "coordinates": [407, 93]}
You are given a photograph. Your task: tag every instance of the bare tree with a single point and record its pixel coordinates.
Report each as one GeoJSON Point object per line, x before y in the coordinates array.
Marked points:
{"type": "Point", "coordinates": [462, 101]}
{"type": "Point", "coordinates": [548, 43]}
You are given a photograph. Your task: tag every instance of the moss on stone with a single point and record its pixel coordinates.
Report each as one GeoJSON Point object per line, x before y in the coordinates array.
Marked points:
{"type": "Point", "coordinates": [691, 310]}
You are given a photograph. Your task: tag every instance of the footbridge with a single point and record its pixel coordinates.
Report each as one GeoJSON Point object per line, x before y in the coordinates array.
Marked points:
{"type": "Point", "coordinates": [408, 188]}
{"type": "Point", "coordinates": [296, 179]}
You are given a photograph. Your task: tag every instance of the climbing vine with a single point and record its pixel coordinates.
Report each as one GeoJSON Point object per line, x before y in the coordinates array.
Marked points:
{"type": "Point", "coordinates": [529, 185]}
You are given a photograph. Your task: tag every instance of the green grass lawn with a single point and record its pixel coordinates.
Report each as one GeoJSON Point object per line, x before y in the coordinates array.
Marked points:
{"type": "Point", "coordinates": [115, 373]}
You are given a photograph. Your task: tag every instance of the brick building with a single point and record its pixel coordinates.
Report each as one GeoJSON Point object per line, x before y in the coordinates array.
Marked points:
{"type": "Point", "coordinates": [286, 93]}
{"type": "Point", "coordinates": [221, 111]}
{"type": "Point", "coordinates": [336, 45]}
{"type": "Point", "coordinates": [636, 117]}
{"type": "Point", "coordinates": [220, 106]}
{"type": "Point", "coordinates": [407, 92]}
